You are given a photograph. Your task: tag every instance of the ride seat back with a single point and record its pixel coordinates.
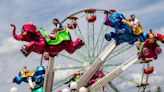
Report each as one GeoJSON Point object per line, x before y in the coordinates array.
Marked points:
{"type": "Point", "coordinates": [62, 35]}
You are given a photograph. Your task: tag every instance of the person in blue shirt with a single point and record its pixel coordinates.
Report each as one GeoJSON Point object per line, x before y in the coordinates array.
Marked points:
{"type": "Point", "coordinates": [58, 27]}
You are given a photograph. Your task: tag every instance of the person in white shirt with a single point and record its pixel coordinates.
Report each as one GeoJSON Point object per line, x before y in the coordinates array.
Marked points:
{"type": "Point", "coordinates": [135, 25]}
{"type": "Point", "coordinates": [134, 21]}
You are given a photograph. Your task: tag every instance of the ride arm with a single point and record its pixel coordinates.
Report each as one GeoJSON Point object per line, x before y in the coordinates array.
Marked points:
{"type": "Point", "coordinates": [17, 37]}
{"type": "Point", "coordinates": [96, 65]}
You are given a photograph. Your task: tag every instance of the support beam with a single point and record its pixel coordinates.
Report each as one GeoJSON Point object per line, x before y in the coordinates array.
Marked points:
{"type": "Point", "coordinates": [96, 65]}
{"type": "Point", "coordinates": [49, 76]}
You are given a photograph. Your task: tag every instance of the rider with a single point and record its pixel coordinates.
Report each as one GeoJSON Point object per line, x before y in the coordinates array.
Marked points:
{"type": "Point", "coordinates": [25, 70]}
{"type": "Point", "coordinates": [135, 24]}
{"type": "Point", "coordinates": [75, 78]}
{"type": "Point", "coordinates": [151, 37]}
{"type": "Point", "coordinates": [134, 21]}
{"type": "Point", "coordinates": [58, 27]}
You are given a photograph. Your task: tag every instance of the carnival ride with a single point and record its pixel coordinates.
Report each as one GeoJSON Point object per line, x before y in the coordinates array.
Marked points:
{"type": "Point", "coordinates": [85, 25]}
{"type": "Point", "coordinates": [25, 75]}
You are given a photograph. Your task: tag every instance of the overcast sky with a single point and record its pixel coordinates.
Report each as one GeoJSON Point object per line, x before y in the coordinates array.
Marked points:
{"type": "Point", "coordinates": [41, 12]}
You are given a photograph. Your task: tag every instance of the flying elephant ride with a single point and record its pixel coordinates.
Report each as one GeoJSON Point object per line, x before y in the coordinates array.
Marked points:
{"type": "Point", "coordinates": [40, 42]}
{"type": "Point", "coordinates": [123, 29]}
{"type": "Point", "coordinates": [147, 52]}
{"type": "Point", "coordinates": [150, 49]}
{"type": "Point", "coordinates": [27, 76]}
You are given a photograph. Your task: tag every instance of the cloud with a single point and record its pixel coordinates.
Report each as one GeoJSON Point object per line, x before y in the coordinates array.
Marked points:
{"type": "Point", "coordinates": [161, 30]}
{"type": "Point", "coordinates": [154, 80]}
{"type": "Point", "coordinates": [9, 45]}
{"type": "Point", "coordinates": [41, 13]}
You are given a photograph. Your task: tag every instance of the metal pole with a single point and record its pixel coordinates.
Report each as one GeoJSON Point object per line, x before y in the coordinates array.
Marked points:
{"type": "Point", "coordinates": [41, 61]}
{"type": "Point", "coordinates": [49, 75]}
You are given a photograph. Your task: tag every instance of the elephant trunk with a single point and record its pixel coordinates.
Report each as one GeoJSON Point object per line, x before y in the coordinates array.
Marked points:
{"type": "Point", "coordinates": [17, 37]}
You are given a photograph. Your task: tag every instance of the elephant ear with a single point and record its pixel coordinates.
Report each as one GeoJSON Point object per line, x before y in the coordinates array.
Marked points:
{"type": "Point", "coordinates": [29, 27]}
